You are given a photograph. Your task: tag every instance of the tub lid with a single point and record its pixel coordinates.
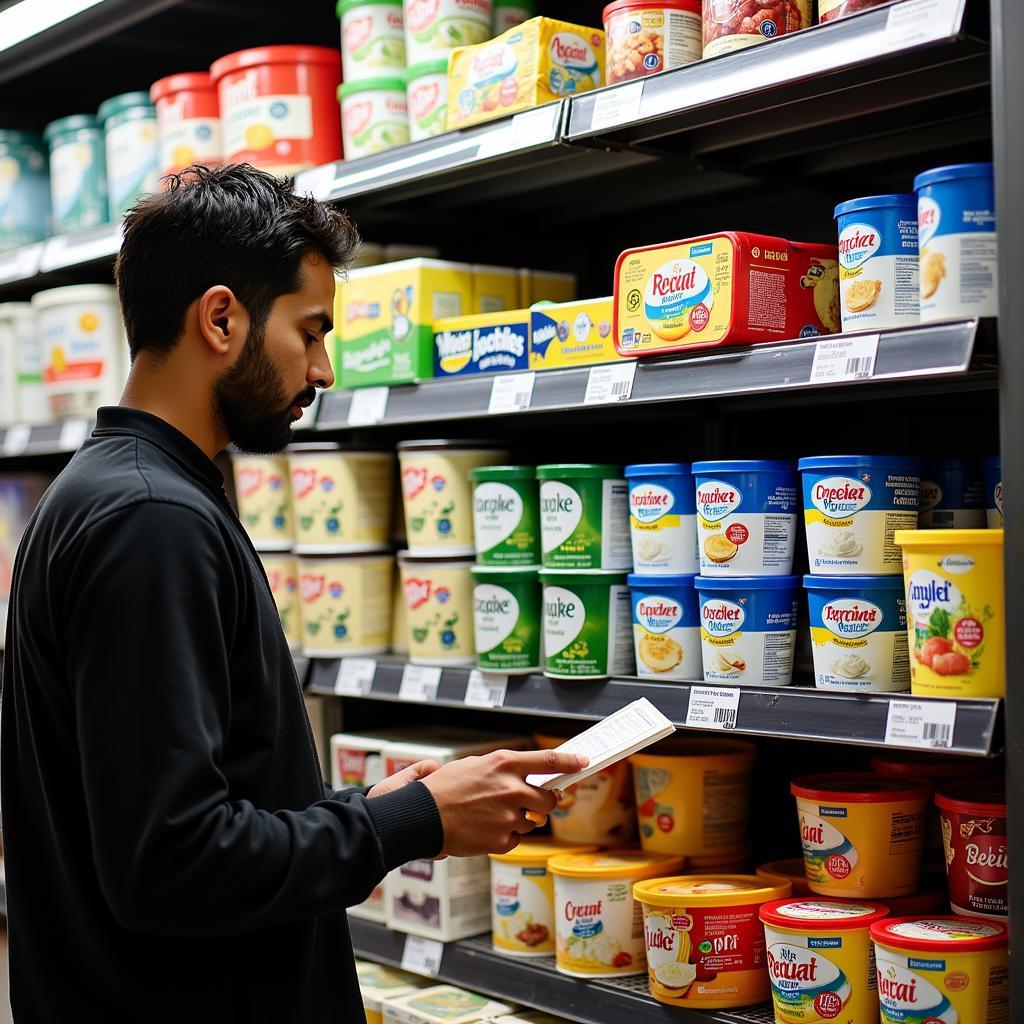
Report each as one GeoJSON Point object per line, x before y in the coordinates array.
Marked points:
{"type": "Point", "coordinates": [185, 81]}
{"type": "Point", "coordinates": [743, 466]}
{"type": "Point", "coordinates": [348, 5]}
{"type": "Point", "coordinates": [527, 572]}
{"type": "Point", "coordinates": [460, 445]}
{"type": "Point", "coordinates": [992, 462]}
{"type": "Point", "coordinates": [541, 848]}
{"type": "Point", "coordinates": [126, 101]}
{"type": "Point", "coordinates": [951, 172]}
{"type": "Point", "coordinates": [411, 558]}
{"type": "Point", "coordinates": [614, 864]}
{"type": "Point", "coordinates": [710, 890]}
{"type": "Point", "coordinates": [503, 473]}
{"type": "Point", "coordinates": [855, 461]}
{"type": "Point", "coordinates": [853, 582]}
{"type": "Point", "coordinates": [927, 766]}
{"type": "Point", "coordinates": [952, 539]}
{"type": "Point", "coordinates": [74, 293]}
{"type": "Point", "coordinates": [899, 199]}
{"type": "Point", "coordinates": [858, 787]}
{"type": "Point", "coordinates": [12, 137]}
{"type": "Point", "coordinates": [578, 577]}
{"type": "Point", "coordinates": [816, 913]}
{"type": "Point", "coordinates": [974, 796]}
{"type": "Point", "coordinates": [72, 122]}
{"type": "Point", "coordinates": [425, 67]}
{"type": "Point", "coordinates": [390, 83]}
{"type": "Point", "coordinates": [275, 55]}
{"type": "Point", "coordinates": [639, 469]}
{"type": "Point", "coordinates": [747, 582]}
{"type": "Point", "coordinates": [578, 470]}
{"type": "Point", "coordinates": [946, 932]}
{"type": "Point", "coordinates": [685, 579]}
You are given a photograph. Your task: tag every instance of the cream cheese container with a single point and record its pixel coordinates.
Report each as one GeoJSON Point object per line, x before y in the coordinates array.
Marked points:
{"type": "Point", "coordinates": [440, 899]}
{"type": "Point", "coordinates": [374, 115]}
{"type": "Point", "coordinates": [442, 1004]}
{"type": "Point", "coordinates": [439, 608]}
{"type": "Point", "coordinates": [426, 88]}
{"type": "Point", "coordinates": [372, 38]}
{"type": "Point", "coordinates": [263, 494]}
{"type": "Point", "coordinates": [662, 518]}
{"type": "Point", "coordinates": [283, 577]}
{"type": "Point", "coordinates": [666, 626]}
{"type": "Point", "coordinates": [433, 27]}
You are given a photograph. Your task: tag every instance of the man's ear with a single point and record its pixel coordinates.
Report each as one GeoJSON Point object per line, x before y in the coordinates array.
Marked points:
{"type": "Point", "coordinates": [223, 320]}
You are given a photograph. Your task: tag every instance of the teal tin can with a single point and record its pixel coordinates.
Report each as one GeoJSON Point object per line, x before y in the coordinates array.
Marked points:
{"type": "Point", "coordinates": [130, 133]}
{"type": "Point", "coordinates": [24, 189]}
{"type": "Point", "coordinates": [78, 172]}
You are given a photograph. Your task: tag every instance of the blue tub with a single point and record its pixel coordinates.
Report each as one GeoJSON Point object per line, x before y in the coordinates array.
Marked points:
{"type": "Point", "coordinates": [662, 518]}
{"type": "Point", "coordinates": [666, 626]}
{"type": "Point", "coordinates": [952, 495]}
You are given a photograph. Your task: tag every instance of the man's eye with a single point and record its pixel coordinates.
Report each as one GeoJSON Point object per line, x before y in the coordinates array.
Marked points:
{"type": "Point", "coordinates": [311, 339]}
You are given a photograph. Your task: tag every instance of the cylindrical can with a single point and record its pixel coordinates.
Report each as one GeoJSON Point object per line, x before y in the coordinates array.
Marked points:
{"type": "Point", "coordinates": [18, 327]}
{"type": "Point", "coordinates": [372, 38]}
{"type": "Point", "coordinates": [643, 37]}
{"type": "Point", "coordinates": [188, 121]}
{"type": "Point", "coordinates": [507, 618]}
{"type": "Point", "coordinates": [426, 89]}
{"type": "Point", "coordinates": [506, 517]}
{"type": "Point", "coordinates": [435, 26]}
{"type": "Point", "coordinates": [24, 189]}
{"type": "Point", "coordinates": [130, 136]}
{"type": "Point", "coordinates": [263, 494]}
{"type": "Point", "coordinates": [662, 518]}
{"type": "Point", "coordinates": [439, 605]}
{"type": "Point", "coordinates": [666, 626]}
{"type": "Point", "coordinates": [78, 172]}
{"type": "Point", "coordinates": [731, 25]}
{"type": "Point", "coordinates": [374, 115]}
{"type": "Point", "coordinates": [283, 576]}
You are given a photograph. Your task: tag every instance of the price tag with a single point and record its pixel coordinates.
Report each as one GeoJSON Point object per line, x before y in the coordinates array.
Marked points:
{"type": "Point", "coordinates": [419, 683]}
{"type": "Point", "coordinates": [914, 22]}
{"type": "Point", "coordinates": [368, 406]}
{"type": "Point", "coordinates": [840, 359]}
{"type": "Point", "coordinates": [921, 723]}
{"type": "Point", "coordinates": [73, 434]}
{"type": "Point", "coordinates": [713, 707]}
{"type": "Point", "coordinates": [511, 392]}
{"type": "Point", "coordinates": [355, 677]}
{"type": "Point", "coordinates": [486, 689]}
{"type": "Point", "coordinates": [610, 383]}
{"type": "Point", "coordinates": [16, 439]}
{"type": "Point", "coordinates": [616, 106]}
{"type": "Point", "coordinates": [422, 956]}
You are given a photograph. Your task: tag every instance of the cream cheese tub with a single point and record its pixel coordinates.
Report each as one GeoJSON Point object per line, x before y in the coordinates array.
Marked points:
{"type": "Point", "coordinates": [263, 494]}
{"type": "Point", "coordinates": [746, 517]}
{"type": "Point", "coordinates": [955, 613]}
{"type": "Point", "coordinates": [862, 834]}
{"type": "Point", "coordinates": [439, 605]}
{"type": "Point", "coordinates": [587, 625]}
{"type": "Point", "coordinates": [426, 88]}
{"type": "Point", "coordinates": [442, 1004]}
{"type": "Point", "coordinates": [599, 927]}
{"type": "Point", "coordinates": [346, 604]}
{"type": "Point", "coordinates": [666, 626]}
{"type": "Point", "coordinates": [584, 517]}
{"type": "Point", "coordinates": [433, 27]}
{"type": "Point", "coordinates": [507, 618]}
{"type": "Point", "coordinates": [942, 970]}
{"type": "Point", "coordinates": [374, 115]}
{"type": "Point", "coordinates": [283, 576]}
{"type": "Point", "coordinates": [853, 504]}
{"type": "Point", "coordinates": [859, 633]}
{"type": "Point", "coordinates": [377, 983]}
{"type": "Point", "coordinates": [437, 494]}
{"type": "Point", "coordinates": [341, 500]}
{"type": "Point", "coordinates": [821, 962]}
{"type": "Point", "coordinates": [705, 946]}
{"type": "Point", "coordinates": [693, 795]}
{"type": "Point", "coordinates": [506, 515]}
{"type": "Point", "coordinates": [372, 38]}
{"type": "Point", "coordinates": [662, 518]}
{"type": "Point", "coordinates": [523, 897]}
{"type": "Point", "coordinates": [791, 869]}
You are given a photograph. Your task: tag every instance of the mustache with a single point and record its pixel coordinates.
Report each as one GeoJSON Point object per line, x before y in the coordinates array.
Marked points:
{"type": "Point", "coordinates": [304, 397]}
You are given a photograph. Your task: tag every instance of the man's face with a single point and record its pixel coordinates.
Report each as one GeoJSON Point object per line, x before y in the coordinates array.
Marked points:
{"type": "Point", "coordinates": [282, 363]}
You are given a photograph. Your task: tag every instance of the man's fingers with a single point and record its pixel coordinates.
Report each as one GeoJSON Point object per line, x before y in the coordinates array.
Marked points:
{"type": "Point", "coordinates": [547, 762]}
{"type": "Point", "coordinates": [541, 801]}
{"type": "Point", "coordinates": [420, 770]}
{"type": "Point", "coordinates": [540, 820]}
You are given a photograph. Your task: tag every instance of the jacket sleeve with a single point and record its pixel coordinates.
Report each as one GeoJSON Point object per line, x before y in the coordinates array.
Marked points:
{"type": "Point", "coordinates": [151, 606]}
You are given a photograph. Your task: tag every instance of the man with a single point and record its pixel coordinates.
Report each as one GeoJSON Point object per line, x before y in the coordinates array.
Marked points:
{"type": "Point", "coordinates": [172, 851]}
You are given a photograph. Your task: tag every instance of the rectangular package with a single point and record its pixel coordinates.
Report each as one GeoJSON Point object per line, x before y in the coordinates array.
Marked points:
{"type": "Point", "coordinates": [485, 343]}
{"type": "Point", "coordinates": [494, 289]}
{"type": "Point", "coordinates": [572, 334]}
{"type": "Point", "coordinates": [442, 1004]}
{"type": "Point", "coordinates": [545, 286]}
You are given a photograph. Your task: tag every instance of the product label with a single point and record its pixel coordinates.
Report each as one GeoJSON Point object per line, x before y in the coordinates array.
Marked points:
{"type": "Point", "coordinates": [587, 631]}
{"type": "Point", "coordinates": [255, 124]}
{"type": "Point", "coordinates": [82, 349]}
{"type": "Point", "coordinates": [666, 635]}
{"type": "Point", "coordinates": [428, 107]}
{"type": "Point", "coordinates": [584, 525]}
{"type": "Point", "coordinates": [738, 649]}
{"type": "Point", "coordinates": [494, 347]}
{"type": "Point", "coordinates": [663, 527]}
{"type": "Point", "coordinates": [132, 167]}
{"type": "Point", "coordinates": [948, 635]}
{"type": "Point", "coordinates": [806, 985]}
{"type": "Point", "coordinates": [828, 854]}
{"type": "Point", "coordinates": [345, 608]}
{"type": "Point", "coordinates": [372, 40]}
{"type": "Point", "coordinates": [440, 25]}
{"type": "Point", "coordinates": [599, 928]}
{"type": "Point", "coordinates": [522, 909]}
{"type": "Point", "coordinates": [78, 186]}
{"type": "Point", "coordinates": [374, 121]}
{"type": "Point", "coordinates": [440, 608]}
{"type": "Point", "coordinates": [497, 512]}
{"type": "Point", "coordinates": [187, 141]}
{"type": "Point", "coordinates": [909, 996]}
{"type": "Point", "coordinates": [643, 42]}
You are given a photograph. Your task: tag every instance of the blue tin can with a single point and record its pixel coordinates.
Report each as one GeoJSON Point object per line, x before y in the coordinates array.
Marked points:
{"type": "Point", "coordinates": [993, 469]}
{"type": "Point", "coordinates": [666, 626]}
{"type": "Point", "coordinates": [24, 189]}
{"type": "Point", "coordinates": [662, 518]}
{"type": "Point", "coordinates": [952, 495]}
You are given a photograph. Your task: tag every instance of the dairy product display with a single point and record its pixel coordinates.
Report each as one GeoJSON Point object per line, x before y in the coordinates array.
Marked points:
{"type": "Point", "coordinates": [993, 470]}
{"type": "Point", "coordinates": [731, 25]}
{"type": "Point", "coordinates": [426, 89]}
{"type": "Point", "coordinates": [263, 493]}
{"type": "Point", "coordinates": [439, 609]}
{"type": "Point", "coordinates": [283, 577]}
{"type": "Point", "coordinates": [434, 27]}
{"type": "Point", "coordinates": [188, 121]}
{"type": "Point", "coordinates": [666, 626]}
{"type": "Point", "coordinates": [507, 618]}
{"type": "Point", "coordinates": [374, 115]}
{"type": "Point", "coordinates": [572, 334]}
{"type": "Point", "coordinates": [24, 189]}
{"type": "Point", "coordinates": [952, 495]}
{"type": "Point", "coordinates": [643, 37]}
{"type": "Point", "coordinates": [662, 518]}
{"type": "Point", "coordinates": [441, 1004]}
{"type": "Point", "coordinates": [130, 136]}
{"type": "Point", "coordinates": [372, 38]}
{"type": "Point", "coordinates": [506, 515]}
{"type": "Point", "coordinates": [78, 172]}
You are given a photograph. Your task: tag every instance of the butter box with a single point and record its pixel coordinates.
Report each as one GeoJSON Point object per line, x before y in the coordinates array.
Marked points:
{"type": "Point", "coordinates": [387, 319]}
{"type": "Point", "coordinates": [485, 343]}
{"type": "Point", "coordinates": [535, 62]}
{"type": "Point", "coordinates": [494, 289]}
{"type": "Point", "coordinates": [442, 1004]}
{"type": "Point", "coordinates": [572, 334]}
{"type": "Point", "coordinates": [545, 286]}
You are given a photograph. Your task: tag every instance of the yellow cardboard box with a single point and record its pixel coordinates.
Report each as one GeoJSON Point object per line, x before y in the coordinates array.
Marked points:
{"type": "Point", "coordinates": [545, 286]}
{"type": "Point", "coordinates": [494, 288]}
{"type": "Point", "coordinates": [572, 334]}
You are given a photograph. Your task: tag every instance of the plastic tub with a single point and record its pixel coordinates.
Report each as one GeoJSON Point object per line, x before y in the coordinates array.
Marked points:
{"type": "Point", "coordinates": [952, 495]}
{"type": "Point", "coordinates": [705, 946]}
{"type": "Point", "coordinates": [692, 796]}
{"type": "Point", "coordinates": [432, 27]}
{"type": "Point", "coordinates": [666, 626]}
{"type": "Point", "coordinates": [643, 37]}
{"type": "Point", "coordinates": [972, 817]}
{"type": "Point", "coordinates": [746, 517]}
{"type": "Point", "coordinates": [341, 500]}
{"type": "Point", "coordinates": [509, 13]}
{"type": "Point", "coordinates": [442, 1004]}
{"type": "Point", "coordinates": [956, 209]}
{"type": "Point", "coordinates": [506, 516]}
{"type": "Point", "coordinates": [130, 136]}
{"type": "Point", "coordinates": [25, 195]}
{"type": "Point", "coordinates": [372, 38]}
{"type": "Point", "coordinates": [587, 625]}
{"type": "Point", "coordinates": [731, 25]}
{"type": "Point", "coordinates": [426, 89]}
{"type": "Point", "coordinates": [523, 897]}
{"type": "Point", "coordinates": [188, 121]}
{"type": "Point", "coordinates": [820, 960]}
{"type": "Point", "coordinates": [955, 613]}
{"type": "Point", "coordinates": [662, 518]}
{"type": "Point", "coordinates": [597, 923]}
{"type": "Point", "coordinates": [78, 172]}
{"type": "Point", "coordinates": [439, 605]}
{"type": "Point", "coordinates": [852, 505]}
{"type": "Point", "coordinates": [279, 107]}
{"type": "Point", "coordinates": [263, 494]}
{"type": "Point", "coordinates": [878, 262]}
{"type": "Point", "coordinates": [791, 869]}
{"type": "Point", "coordinates": [437, 495]}
{"type": "Point", "coordinates": [748, 628]}
{"type": "Point", "coordinates": [993, 469]}
{"type": "Point", "coordinates": [507, 618]}
{"type": "Point", "coordinates": [584, 516]}
{"type": "Point", "coordinates": [859, 633]}
{"type": "Point", "coordinates": [346, 604]}
{"type": "Point", "coordinates": [942, 968]}
{"type": "Point", "coordinates": [18, 335]}
{"type": "Point", "coordinates": [862, 834]}
{"type": "Point", "coordinates": [374, 115]}
{"type": "Point", "coordinates": [283, 576]}
{"type": "Point", "coordinates": [377, 983]}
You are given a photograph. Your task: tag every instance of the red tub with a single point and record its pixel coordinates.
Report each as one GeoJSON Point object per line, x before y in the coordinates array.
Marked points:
{"type": "Point", "coordinates": [188, 121]}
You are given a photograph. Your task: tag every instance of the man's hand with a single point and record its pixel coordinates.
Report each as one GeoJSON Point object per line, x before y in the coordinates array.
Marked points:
{"type": "Point", "coordinates": [483, 801]}
{"type": "Point", "coordinates": [419, 770]}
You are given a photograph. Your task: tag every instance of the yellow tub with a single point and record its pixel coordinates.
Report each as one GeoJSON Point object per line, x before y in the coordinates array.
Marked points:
{"type": "Point", "coordinates": [598, 926]}
{"type": "Point", "coordinates": [345, 604]}
{"type": "Point", "coordinates": [705, 945]}
{"type": "Point", "coordinates": [283, 576]}
{"type": "Point", "coordinates": [377, 983]}
{"type": "Point", "coordinates": [264, 500]}
{"type": "Point", "coordinates": [341, 500]}
{"type": "Point", "coordinates": [439, 609]}
{"type": "Point", "coordinates": [862, 834]}
{"type": "Point", "coordinates": [692, 796]}
{"type": "Point", "coordinates": [791, 869]}
{"type": "Point", "coordinates": [437, 493]}
{"type": "Point", "coordinates": [942, 970]}
{"type": "Point", "coordinates": [523, 897]}
{"type": "Point", "coordinates": [955, 612]}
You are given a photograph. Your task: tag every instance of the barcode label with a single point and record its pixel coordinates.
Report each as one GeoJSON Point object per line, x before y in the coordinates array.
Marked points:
{"type": "Point", "coordinates": [422, 956]}
{"type": "Point", "coordinates": [419, 683]}
{"type": "Point", "coordinates": [355, 677]}
{"type": "Point", "coordinates": [938, 731]}
{"type": "Point", "coordinates": [610, 383]}
{"type": "Point", "coordinates": [712, 707]}
{"type": "Point", "coordinates": [842, 359]}
{"type": "Point", "coordinates": [486, 689]}
{"type": "Point", "coordinates": [859, 367]}
{"type": "Point", "coordinates": [921, 723]}
{"type": "Point", "coordinates": [511, 392]}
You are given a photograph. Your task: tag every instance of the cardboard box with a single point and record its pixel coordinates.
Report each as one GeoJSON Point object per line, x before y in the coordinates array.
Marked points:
{"type": "Point", "coordinates": [485, 343]}
{"type": "Point", "coordinates": [572, 334]}
{"type": "Point", "coordinates": [545, 286]}
{"type": "Point", "coordinates": [442, 1004]}
{"type": "Point", "coordinates": [494, 289]}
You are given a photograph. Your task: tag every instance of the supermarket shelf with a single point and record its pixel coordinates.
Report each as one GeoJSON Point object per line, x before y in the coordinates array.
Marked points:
{"type": "Point", "coordinates": [793, 712]}
{"type": "Point", "coordinates": [535, 982]}
{"type": "Point", "coordinates": [933, 350]}
{"type": "Point", "coordinates": [48, 263]}
{"type": "Point", "coordinates": [23, 441]}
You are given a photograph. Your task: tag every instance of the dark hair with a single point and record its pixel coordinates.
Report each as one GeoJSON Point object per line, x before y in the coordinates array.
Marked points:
{"type": "Point", "coordinates": [232, 225]}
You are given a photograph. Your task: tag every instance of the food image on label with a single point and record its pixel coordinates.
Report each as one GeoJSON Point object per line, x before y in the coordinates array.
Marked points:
{"type": "Point", "coordinates": [642, 41]}
{"type": "Point", "coordinates": [663, 522]}
{"type": "Point", "coordinates": [522, 911]}
{"type": "Point", "coordinates": [828, 853]}
{"type": "Point", "coordinates": [666, 626]}
{"type": "Point", "coordinates": [731, 25]}
{"type": "Point", "coordinates": [806, 985]}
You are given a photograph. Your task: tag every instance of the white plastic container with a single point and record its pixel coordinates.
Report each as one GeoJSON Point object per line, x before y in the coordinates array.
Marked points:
{"type": "Point", "coordinates": [374, 116]}
{"type": "Point", "coordinates": [84, 348]}
{"type": "Point", "coordinates": [435, 26]}
{"type": "Point", "coordinates": [426, 87]}
{"type": "Point", "coordinates": [372, 38]}
{"type": "Point", "coordinates": [18, 329]}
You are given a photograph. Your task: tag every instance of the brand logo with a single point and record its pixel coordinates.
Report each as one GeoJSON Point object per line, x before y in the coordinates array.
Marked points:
{"type": "Point", "coordinates": [840, 496]}
{"type": "Point", "coordinates": [658, 614]}
{"type": "Point", "coordinates": [414, 479]}
{"type": "Point", "coordinates": [375, 356]}
{"type": "Point", "coordinates": [361, 311]}
{"type": "Point", "coordinates": [987, 858]}
{"type": "Point", "coordinates": [492, 604]}
{"type": "Point", "coordinates": [420, 13]}
{"type": "Point", "coordinates": [303, 481]}
{"type": "Point", "coordinates": [506, 891]}
{"type": "Point", "coordinates": [675, 289]}
{"type": "Point", "coordinates": [659, 937]}
{"type": "Point", "coordinates": [574, 911]}
{"type": "Point", "coordinates": [851, 618]}
{"type": "Point", "coordinates": [928, 591]}
{"type": "Point", "coordinates": [716, 499]}
{"type": "Point", "coordinates": [857, 244]}
{"type": "Point", "coordinates": [721, 618]}
{"type": "Point", "coordinates": [571, 51]}
{"type": "Point", "coordinates": [897, 988]}
{"type": "Point", "coordinates": [561, 511]}
{"type": "Point", "coordinates": [957, 565]}
{"type": "Point", "coordinates": [250, 481]}
{"type": "Point", "coordinates": [241, 90]}
{"type": "Point", "coordinates": [357, 115]}
{"type": "Point", "coordinates": [311, 587]}
{"type": "Point", "coordinates": [356, 32]}
{"type": "Point", "coordinates": [564, 617]}
{"type": "Point", "coordinates": [417, 592]}
{"type": "Point", "coordinates": [423, 99]}
{"type": "Point", "coordinates": [929, 216]}
{"type": "Point", "coordinates": [352, 764]}
{"type": "Point", "coordinates": [649, 502]}
{"type": "Point", "coordinates": [492, 63]}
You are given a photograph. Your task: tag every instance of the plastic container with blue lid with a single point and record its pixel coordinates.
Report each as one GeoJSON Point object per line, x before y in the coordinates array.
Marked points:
{"type": "Point", "coordinates": [956, 209]}
{"type": "Point", "coordinates": [859, 633]}
{"type": "Point", "coordinates": [746, 517]}
{"type": "Point", "coordinates": [852, 505]}
{"type": "Point", "coordinates": [952, 495]}
{"type": "Point", "coordinates": [878, 265]}
{"type": "Point", "coordinates": [662, 517]}
{"type": "Point", "coordinates": [748, 628]}
{"type": "Point", "coordinates": [992, 467]}
{"type": "Point", "coordinates": [666, 625]}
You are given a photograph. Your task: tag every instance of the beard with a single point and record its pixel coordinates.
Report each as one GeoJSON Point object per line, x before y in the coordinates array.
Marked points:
{"type": "Point", "coordinates": [250, 401]}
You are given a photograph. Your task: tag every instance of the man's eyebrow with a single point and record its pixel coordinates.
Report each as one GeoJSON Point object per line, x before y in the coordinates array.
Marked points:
{"type": "Point", "coordinates": [326, 323]}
